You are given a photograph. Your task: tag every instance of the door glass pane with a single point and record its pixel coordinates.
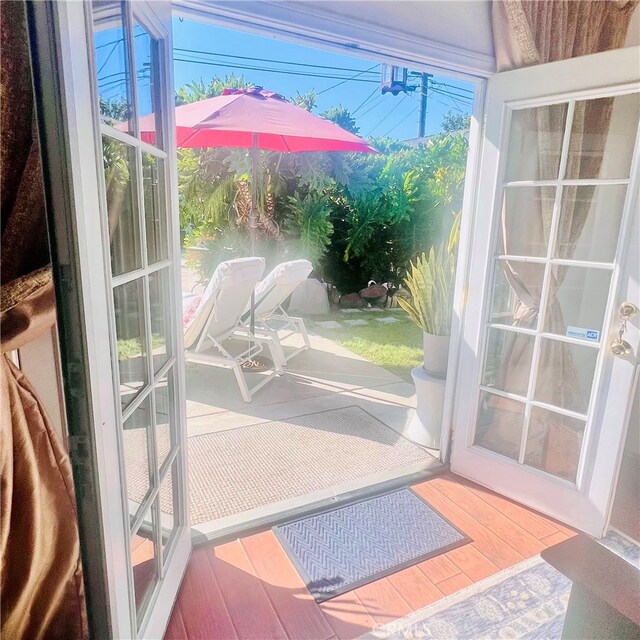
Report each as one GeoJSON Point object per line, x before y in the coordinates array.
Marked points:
{"type": "Point", "coordinates": [146, 53]}
{"type": "Point", "coordinates": [135, 443]}
{"type": "Point", "coordinates": [143, 561]}
{"type": "Point", "coordinates": [110, 52]}
{"type": "Point", "coordinates": [535, 143]}
{"type": "Point", "coordinates": [165, 436]}
{"type": "Point", "coordinates": [122, 205]}
{"type": "Point", "coordinates": [131, 344]}
{"type": "Point", "coordinates": [169, 518]}
{"type": "Point", "coordinates": [590, 222]}
{"type": "Point", "coordinates": [603, 135]}
{"type": "Point", "coordinates": [526, 220]}
{"type": "Point", "coordinates": [500, 423]}
{"type": "Point", "coordinates": [577, 302]}
{"type": "Point", "coordinates": [153, 178]}
{"type": "Point", "coordinates": [507, 364]}
{"type": "Point", "coordinates": [554, 442]}
{"type": "Point", "coordinates": [565, 375]}
{"type": "Point", "coordinates": [160, 306]}
{"type": "Point", "coordinates": [517, 287]}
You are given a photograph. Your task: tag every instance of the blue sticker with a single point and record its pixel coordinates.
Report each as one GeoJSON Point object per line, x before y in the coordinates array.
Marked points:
{"type": "Point", "coordinates": [585, 334]}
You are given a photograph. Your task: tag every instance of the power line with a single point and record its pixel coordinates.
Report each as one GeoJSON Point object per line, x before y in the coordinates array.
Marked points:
{"type": "Point", "coordinates": [456, 104]}
{"type": "Point", "coordinates": [452, 86]}
{"type": "Point", "coordinates": [376, 103]}
{"type": "Point", "coordinates": [353, 113]}
{"type": "Point", "coordinates": [387, 115]}
{"type": "Point", "coordinates": [395, 126]}
{"type": "Point", "coordinates": [453, 98]}
{"type": "Point", "coordinates": [449, 93]}
{"type": "Point", "coordinates": [350, 79]}
{"type": "Point", "coordinates": [295, 64]}
{"type": "Point", "coordinates": [104, 64]}
{"type": "Point", "coordinates": [281, 71]}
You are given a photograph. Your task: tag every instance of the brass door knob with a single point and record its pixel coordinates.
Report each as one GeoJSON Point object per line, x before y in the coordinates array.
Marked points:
{"type": "Point", "coordinates": [620, 347]}
{"type": "Point", "coordinates": [627, 310]}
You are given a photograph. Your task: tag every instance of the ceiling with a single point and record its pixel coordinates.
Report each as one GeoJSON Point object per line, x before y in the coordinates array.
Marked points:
{"type": "Point", "coordinates": [451, 36]}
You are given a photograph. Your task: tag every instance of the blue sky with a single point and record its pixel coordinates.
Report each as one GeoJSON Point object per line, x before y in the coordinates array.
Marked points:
{"type": "Point", "coordinates": [202, 51]}
{"type": "Point", "coordinates": [377, 115]}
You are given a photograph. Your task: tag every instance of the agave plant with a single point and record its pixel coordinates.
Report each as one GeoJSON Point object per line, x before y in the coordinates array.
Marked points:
{"type": "Point", "coordinates": [430, 281]}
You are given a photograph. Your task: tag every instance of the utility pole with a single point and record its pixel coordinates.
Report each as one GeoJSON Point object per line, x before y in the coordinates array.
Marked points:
{"type": "Point", "coordinates": [422, 120]}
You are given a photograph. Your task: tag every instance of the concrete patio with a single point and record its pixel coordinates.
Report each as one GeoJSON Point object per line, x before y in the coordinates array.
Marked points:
{"type": "Point", "coordinates": [329, 428]}
{"type": "Point", "coordinates": [324, 381]}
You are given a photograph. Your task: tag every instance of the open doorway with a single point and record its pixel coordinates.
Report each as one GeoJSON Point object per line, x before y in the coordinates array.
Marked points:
{"type": "Point", "coordinates": [337, 416]}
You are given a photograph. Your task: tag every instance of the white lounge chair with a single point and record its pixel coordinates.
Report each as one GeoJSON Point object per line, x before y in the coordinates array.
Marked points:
{"type": "Point", "coordinates": [217, 320]}
{"type": "Point", "coordinates": [269, 316]}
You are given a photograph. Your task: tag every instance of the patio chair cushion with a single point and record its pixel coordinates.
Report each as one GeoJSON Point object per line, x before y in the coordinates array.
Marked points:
{"type": "Point", "coordinates": [224, 299]}
{"type": "Point", "coordinates": [278, 286]}
{"type": "Point", "coordinates": [190, 304]}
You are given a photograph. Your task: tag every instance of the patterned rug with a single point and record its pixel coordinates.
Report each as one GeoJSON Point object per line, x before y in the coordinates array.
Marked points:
{"type": "Point", "coordinates": [342, 549]}
{"type": "Point", "coordinates": [622, 546]}
{"type": "Point", "coordinates": [240, 469]}
{"type": "Point", "coordinates": [528, 601]}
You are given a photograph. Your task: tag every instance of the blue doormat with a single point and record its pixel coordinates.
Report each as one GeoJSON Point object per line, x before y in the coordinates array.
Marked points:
{"type": "Point", "coordinates": [345, 548]}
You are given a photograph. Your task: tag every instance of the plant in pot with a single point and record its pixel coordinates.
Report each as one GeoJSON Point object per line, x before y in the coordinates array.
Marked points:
{"type": "Point", "coordinates": [430, 282]}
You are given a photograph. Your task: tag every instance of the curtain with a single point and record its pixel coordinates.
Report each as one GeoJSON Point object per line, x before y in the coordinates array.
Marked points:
{"type": "Point", "coordinates": [528, 33]}
{"type": "Point", "coordinates": [41, 581]}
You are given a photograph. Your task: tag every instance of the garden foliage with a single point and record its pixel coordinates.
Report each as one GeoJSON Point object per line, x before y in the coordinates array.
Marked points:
{"type": "Point", "coordinates": [356, 216]}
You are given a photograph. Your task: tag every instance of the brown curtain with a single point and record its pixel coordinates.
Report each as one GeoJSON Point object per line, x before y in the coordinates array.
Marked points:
{"type": "Point", "coordinates": [528, 33]}
{"type": "Point", "coordinates": [41, 583]}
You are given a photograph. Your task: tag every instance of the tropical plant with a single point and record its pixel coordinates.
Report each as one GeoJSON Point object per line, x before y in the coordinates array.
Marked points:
{"type": "Point", "coordinates": [309, 225]}
{"type": "Point", "coordinates": [342, 117]}
{"type": "Point", "coordinates": [453, 122]}
{"type": "Point", "coordinates": [430, 281]}
{"type": "Point", "coordinates": [201, 90]}
{"type": "Point", "coordinates": [368, 214]}
{"type": "Point", "coordinates": [307, 101]}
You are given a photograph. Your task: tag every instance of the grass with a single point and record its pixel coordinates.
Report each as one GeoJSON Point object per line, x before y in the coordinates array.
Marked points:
{"type": "Point", "coordinates": [396, 346]}
{"type": "Point", "coordinates": [131, 348]}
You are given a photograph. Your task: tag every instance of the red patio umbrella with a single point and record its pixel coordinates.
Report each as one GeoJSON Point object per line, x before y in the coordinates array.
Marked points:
{"type": "Point", "coordinates": [255, 119]}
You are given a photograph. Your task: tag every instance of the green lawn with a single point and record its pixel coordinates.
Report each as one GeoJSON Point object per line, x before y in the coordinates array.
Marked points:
{"type": "Point", "coordinates": [395, 346]}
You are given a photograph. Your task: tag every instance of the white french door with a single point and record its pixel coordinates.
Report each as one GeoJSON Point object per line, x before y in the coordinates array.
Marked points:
{"type": "Point", "coordinates": [116, 66]}
{"type": "Point", "coordinates": [542, 403]}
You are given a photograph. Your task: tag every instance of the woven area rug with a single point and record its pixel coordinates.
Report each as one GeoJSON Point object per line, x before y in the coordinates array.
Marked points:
{"type": "Point", "coordinates": [527, 601]}
{"type": "Point", "coordinates": [345, 548]}
{"type": "Point", "coordinates": [240, 469]}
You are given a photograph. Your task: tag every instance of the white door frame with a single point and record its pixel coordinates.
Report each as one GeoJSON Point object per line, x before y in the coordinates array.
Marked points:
{"type": "Point", "coordinates": [63, 70]}
{"type": "Point", "coordinates": [610, 72]}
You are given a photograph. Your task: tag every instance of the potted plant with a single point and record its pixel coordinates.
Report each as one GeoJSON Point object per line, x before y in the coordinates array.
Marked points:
{"type": "Point", "coordinates": [430, 282]}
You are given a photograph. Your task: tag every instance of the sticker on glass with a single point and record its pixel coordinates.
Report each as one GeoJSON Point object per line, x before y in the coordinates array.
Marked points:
{"type": "Point", "coordinates": [584, 334]}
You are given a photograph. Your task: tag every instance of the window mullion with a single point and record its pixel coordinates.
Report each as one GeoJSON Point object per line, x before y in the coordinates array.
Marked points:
{"type": "Point", "coordinates": [127, 14]}
{"type": "Point", "coordinates": [546, 282]}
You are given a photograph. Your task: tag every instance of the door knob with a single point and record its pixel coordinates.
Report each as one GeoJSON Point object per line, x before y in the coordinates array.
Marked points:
{"type": "Point", "coordinates": [620, 347]}
{"type": "Point", "coordinates": [627, 310]}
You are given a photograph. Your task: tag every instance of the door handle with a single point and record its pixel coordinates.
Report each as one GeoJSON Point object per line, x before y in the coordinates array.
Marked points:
{"type": "Point", "coordinates": [620, 347]}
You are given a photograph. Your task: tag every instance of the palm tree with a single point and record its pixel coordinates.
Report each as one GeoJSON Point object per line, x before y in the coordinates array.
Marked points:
{"type": "Point", "coordinates": [200, 90]}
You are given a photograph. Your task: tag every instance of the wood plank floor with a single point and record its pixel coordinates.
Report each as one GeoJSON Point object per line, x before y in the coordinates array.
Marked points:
{"type": "Point", "coordinates": [248, 589]}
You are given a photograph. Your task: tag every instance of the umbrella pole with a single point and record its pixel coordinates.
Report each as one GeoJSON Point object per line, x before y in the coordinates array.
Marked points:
{"type": "Point", "coordinates": [253, 219]}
